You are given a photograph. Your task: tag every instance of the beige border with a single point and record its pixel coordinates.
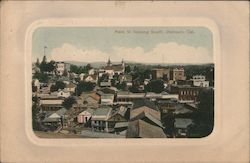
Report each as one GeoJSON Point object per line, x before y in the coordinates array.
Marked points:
{"type": "Point", "coordinates": [230, 140]}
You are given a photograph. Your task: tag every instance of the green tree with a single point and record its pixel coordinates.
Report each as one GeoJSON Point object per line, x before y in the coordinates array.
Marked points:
{"type": "Point", "coordinates": [127, 69]}
{"type": "Point", "coordinates": [74, 69]}
{"type": "Point", "coordinates": [58, 85]}
{"type": "Point", "coordinates": [156, 86]}
{"type": "Point", "coordinates": [41, 77]}
{"type": "Point", "coordinates": [68, 102]}
{"type": "Point", "coordinates": [134, 89]}
{"type": "Point", "coordinates": [88, 67]}
{"type": "Point", "coordinates": [50, 67]}
{"type": "Point", "coordinates": [204, 117]}
{"type": "Point", "coordinates": [83, 86]}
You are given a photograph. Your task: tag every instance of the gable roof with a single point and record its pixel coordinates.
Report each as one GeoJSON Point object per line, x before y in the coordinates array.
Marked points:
{"type": "Point", "coordinates": [89, 110]}
{"type": "Point", "coordinates": [61, 111]}
{"type": "Point", "coordinates": [70, 85]}
{"type": "Point", "coordinates": [147, 117]}
{"type": "Point", "coordinates": [141, 129]}
{"type": "Point", "coordinates": [94, 77]}
{"type": "Point", "coordinates": [144, 102]}
{"type": "Point", "coordinates": [121, 124]}
{"type": "Point", "coordinates": [102, 113]}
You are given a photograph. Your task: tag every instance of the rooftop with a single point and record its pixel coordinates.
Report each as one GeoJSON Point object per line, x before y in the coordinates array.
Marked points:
{"type": "Point", "coordinates": [141, 129]}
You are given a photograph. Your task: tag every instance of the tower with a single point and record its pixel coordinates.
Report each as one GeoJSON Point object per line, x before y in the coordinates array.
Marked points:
{"type": "Point", "coordinates": [109, 62]}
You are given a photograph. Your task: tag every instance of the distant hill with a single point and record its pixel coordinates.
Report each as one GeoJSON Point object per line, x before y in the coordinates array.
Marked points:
{"type": "Point", "coordinates": [133, 63]}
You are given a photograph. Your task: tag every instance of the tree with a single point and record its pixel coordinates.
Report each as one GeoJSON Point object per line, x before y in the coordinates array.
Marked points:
{"type": "Point", "coordinates": [74, 69]}
{"type": "Point", "coordinates": [84, 87]}
{"type": "Point", "coordinates": [58, 85]}
{"type": "Point", "coordinates": [204, 117]}
{"type": "Point", "coordinates": [68, 102]}
{"type": "Point", "coordinates": [88, 67]}
{"type": "Point", "coordinates": [50, 67]}
{"type": "Point", "coordinates": [134, 89]}
{"type": "Point", "coordinates": [127, 69]}
{"type": "Point", "coordinates": [156, 86]}
{"type": "Point", "coordinates": [41, 77]}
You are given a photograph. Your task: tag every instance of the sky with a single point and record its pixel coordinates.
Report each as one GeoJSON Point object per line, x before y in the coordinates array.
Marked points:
{"type": "Point", "coordinates": [137, 44]}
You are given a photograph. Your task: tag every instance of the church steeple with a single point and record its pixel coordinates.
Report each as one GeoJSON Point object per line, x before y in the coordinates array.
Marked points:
{"type": "Point", "coordinates": [109, 62]}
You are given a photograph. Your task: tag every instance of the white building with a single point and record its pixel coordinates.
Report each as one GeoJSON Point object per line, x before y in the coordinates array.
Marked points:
{"type": "Point", "coordinates": [200, 81]}
{"type": "Point", "coordinates": [60, 67]}
{"type": "Point", "coordinates": [91, 71]}
{"type": "Point", "coordinates": [85, 116]}
{"type": "Point", "coordinates": [61, 93]}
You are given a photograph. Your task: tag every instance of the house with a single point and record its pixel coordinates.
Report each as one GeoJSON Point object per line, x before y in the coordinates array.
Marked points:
{"type": "Point", "coordinates": [55, 118]}
{"type": "Point", "coordinates": [160, 73]}
{"type": "Point", "coordinates": [121, 128]}
{"type": "Point", "coordinates": [145, 106]}
{"type": "Point", "coordinates": [91, 78]}
{"type": "Point", "coordinates": [142, 129]}
{"type": "Point", "coordinates": [91, 71]}
{"type": "Point", "coordinates": [186, 93]}
{"type": "Point", "coordinates": [36, 83]}
{"type": "Point", "coordinates": [85, 116]}
{"type": "Point", "coordinates": [112, 69]}
{"type": "Point", "coordinates": [92, 99]}
{"type": "Point", "coordinates": [200, 81]}
{"type": "Point", "coordinates": [60, 68]}
{"type": "Point", "coordinates": [126, 96]}
{"type": "Point", "coordinates": [81, 76]}
{"type": "Point", "coordinates": [70, 87]}
{"type": "Point", "coordinates": [62, 93]}
{"type": "Point", "coordinates": [182, 125]}
{"type": "Point", "coordinates": [147, 117]}
{"type": "Point", "coordinates": [107, 99]}
{"type": "Point", "coordinates": [105, 84]}
{"type": "Point", "coordinates": [50, 103]}
{"type": "Point", "coordinates": [99, 120]}
{"type": "Point", "coordinates": [167, 105]}
{"type": "Point", "coordinates": [118, 115]}
{"type": "Point", "coordinates": [178, 74]}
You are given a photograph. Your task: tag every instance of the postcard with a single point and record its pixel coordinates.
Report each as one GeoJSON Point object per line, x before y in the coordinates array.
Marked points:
{"type": "Point", "coordinates": [124, 82]}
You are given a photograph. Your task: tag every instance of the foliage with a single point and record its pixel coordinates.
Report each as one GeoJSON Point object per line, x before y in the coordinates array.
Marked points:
{"type": "Point", "coordinates": [134, 89]}
{"type": "Point", "coordinates": [156, 86]}
{"type": "Point", "coordinates": [122, 86]}
{"type": "Point", "coordinates": [168, 122]}
{"type": "Point", "coordinates": [80, 69]}
{"type": "Point", "coordinates": [127, 69]}
{"type": "Point", "coordinates": [68, 102]}
{"type": "Point", "coordinates": [84, 87]}
{"type": "Point", "coordinates": [47, 66]}
{"type": "Point", "coordinates": [57, 86]}
{"type": "Point", "coordinates": [41, 77]}
{"type": "Point", "coordinates": [204, 117]}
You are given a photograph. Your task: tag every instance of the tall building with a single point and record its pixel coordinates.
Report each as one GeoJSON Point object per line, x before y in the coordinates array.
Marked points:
{"type": "Point", "coordinates": [60, 67]}
{"type": "Point", "coordinates": [178, 74]}
{"type": "Point", "coordinates": [160, 73]}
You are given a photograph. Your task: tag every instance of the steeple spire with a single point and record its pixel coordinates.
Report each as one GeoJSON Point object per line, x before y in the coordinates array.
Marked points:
{"type": "Point", "coordinates": [109, 62]}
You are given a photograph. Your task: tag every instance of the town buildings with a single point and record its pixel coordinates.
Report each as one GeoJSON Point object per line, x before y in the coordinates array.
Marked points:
{"type": "Point", "coordinates": [115, 109]}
